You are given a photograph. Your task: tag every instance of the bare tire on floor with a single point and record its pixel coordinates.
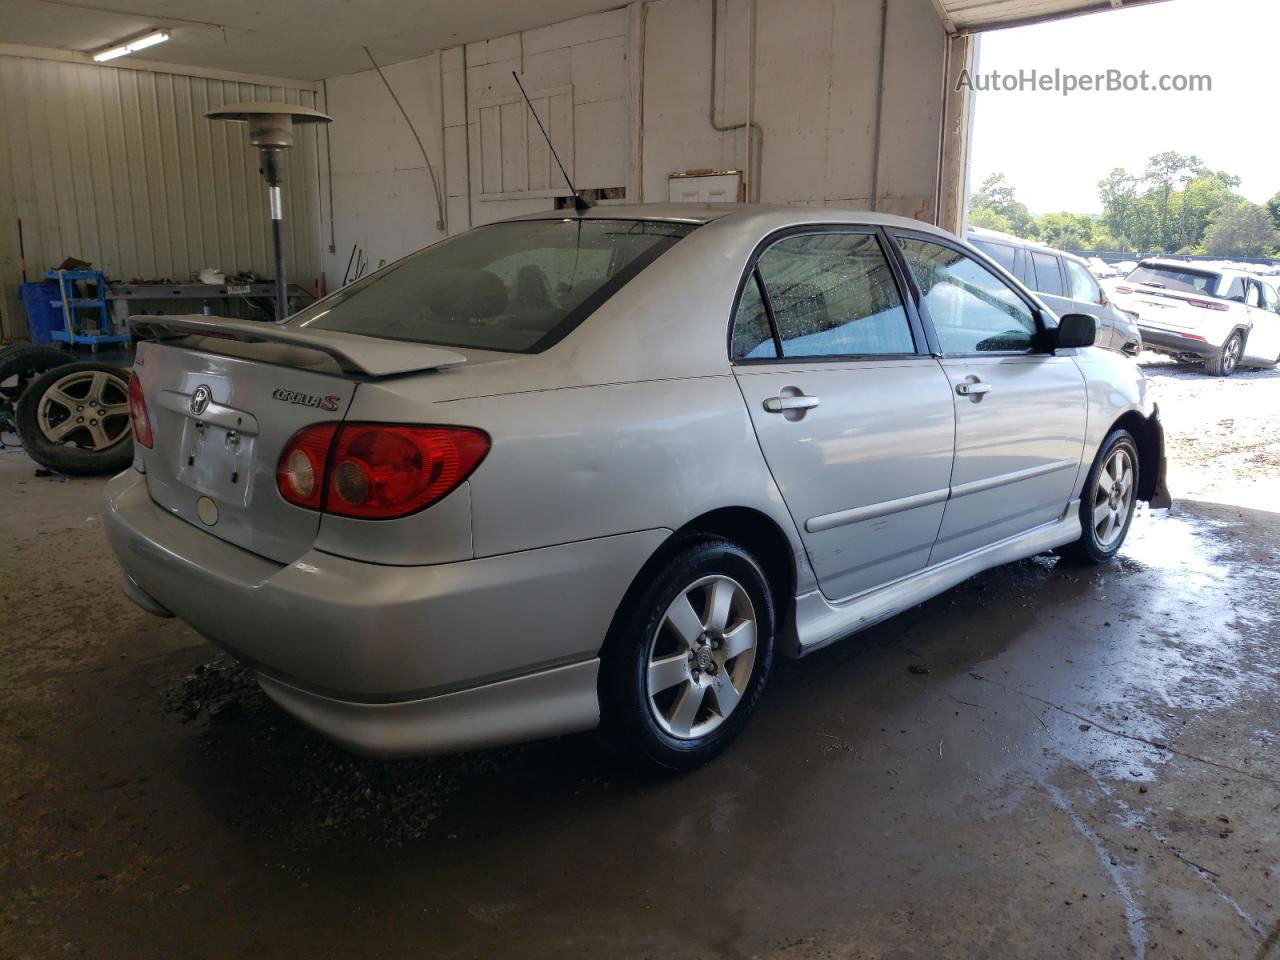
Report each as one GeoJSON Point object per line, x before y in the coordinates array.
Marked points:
{"type": "Point", "coordinates": [20, 364]}
{"type": "Point", "coordinates": [75, 419]}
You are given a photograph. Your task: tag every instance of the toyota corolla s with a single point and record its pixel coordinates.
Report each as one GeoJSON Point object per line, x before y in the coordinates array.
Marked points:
{"type": "Point", "coordinates": [563, 472]}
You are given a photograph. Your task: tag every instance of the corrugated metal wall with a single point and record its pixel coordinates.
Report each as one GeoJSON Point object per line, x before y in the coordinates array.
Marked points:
{"type": "Point", "coordinates": [121, 168]}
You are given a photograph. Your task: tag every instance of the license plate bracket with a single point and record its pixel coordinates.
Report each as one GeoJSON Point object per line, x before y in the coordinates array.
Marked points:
{"type": "Point", "coordinates": [217, 462]}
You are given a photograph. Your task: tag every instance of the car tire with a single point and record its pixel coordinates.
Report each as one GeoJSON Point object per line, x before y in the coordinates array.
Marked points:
{"type": "Point", "coordinates": [62, 433]}
{"type": "Point", "coordinates": [1105, 511]}
{"type": "Point", "coordinates": [1228, 358]}
{"type": "Point", "coordinates": [23, 362]}
{"type": "Point", "coordinates": [678, 680]}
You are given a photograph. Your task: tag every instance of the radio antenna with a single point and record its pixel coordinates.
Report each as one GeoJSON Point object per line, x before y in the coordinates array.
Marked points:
{"type": "Point", "coordinates": [579, 204]}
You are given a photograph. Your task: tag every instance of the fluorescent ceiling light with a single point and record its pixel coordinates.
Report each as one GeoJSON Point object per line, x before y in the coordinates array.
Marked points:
{"type": "Point", "coordinates": [133, 46]}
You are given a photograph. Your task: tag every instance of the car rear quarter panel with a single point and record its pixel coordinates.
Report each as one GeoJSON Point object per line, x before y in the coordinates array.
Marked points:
{"type": "Point", "coordinates": [578, 463]}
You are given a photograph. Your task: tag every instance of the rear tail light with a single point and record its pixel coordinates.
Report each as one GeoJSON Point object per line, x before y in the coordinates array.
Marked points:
{"type": "Point", "coordinates": [1124, 289]}
{"type": "Point", "coordinates": [376, 471]}
{"type": "Point", "coordinates": [1193, 336]}
{"type": "Point", "coordinates": [139, 419]}
{"type": "Point", "coordinates": [300, 473]}
{"type": "Point", "coordinates": [1209, 305]}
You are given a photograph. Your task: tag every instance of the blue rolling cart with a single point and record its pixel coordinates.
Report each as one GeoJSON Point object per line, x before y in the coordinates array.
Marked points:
{"type": "Point", "coordinates": [71, 303]}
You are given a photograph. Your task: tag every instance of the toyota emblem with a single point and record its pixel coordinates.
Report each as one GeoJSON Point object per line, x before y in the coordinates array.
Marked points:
{"type": "Point", "coordinates": [200, 398]}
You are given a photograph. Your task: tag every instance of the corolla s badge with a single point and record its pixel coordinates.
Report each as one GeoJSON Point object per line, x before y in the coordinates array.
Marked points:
{"type": "Point", "coordinates": [200, 398]}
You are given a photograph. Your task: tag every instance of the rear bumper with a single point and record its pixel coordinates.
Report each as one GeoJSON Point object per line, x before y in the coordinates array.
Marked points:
{"type": "Point", "coordinates": [386, 659]}
{"type": "Point", "coordinates": [1166, 341]}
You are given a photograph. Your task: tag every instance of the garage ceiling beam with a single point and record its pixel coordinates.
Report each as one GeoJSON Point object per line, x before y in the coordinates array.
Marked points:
{"type": "Point", "coordinates": [976, 16]}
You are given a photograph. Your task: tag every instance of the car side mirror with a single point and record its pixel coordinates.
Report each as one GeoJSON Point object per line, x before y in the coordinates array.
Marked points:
{"type": "Point", "coordinates": [1076, 330]}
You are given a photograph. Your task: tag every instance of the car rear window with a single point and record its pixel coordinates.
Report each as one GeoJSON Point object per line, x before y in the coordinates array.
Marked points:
{"type": "Point", "coordinates": [515, 287]}
{"type": "Point", "coordinates": [1176, 279]}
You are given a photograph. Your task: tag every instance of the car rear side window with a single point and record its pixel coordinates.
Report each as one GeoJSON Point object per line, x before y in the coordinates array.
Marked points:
{"type": "Point", "coordinates": [1232, 290]}
{"type": "Point", "coordinates": [972, 310]}
{"type": "Point", "coordinates": [1048, 276]}
{"type": "Point", "coordinates": [518, 286]}
{"type": "Point", "coordinates": [834, 294]}
{"type": "Point", "coordinates": [752, 333]}
{"type": "Point", "coordinates": [1082, 286]}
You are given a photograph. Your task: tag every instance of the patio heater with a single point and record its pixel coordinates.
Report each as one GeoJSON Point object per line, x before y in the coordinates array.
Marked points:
{"type": "Point", "coordinates": [271, 131]}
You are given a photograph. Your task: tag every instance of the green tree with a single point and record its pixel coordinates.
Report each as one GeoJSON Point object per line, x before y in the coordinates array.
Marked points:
{"type": "Point", "coordinates": [1199, 202]}
{"type": "Point", "coordinates": [1067, 231]}
{"type": "Point", "coordinates": [1242, 231]}
{"type": "Point", "coordinates": [987, 218]}
{"type": "Point", "coordinates": [996, 196]}
{"type": "Point", "coordinates": [1273, 208]}
{"type": "Point", "coordinates": [1167, 174]}
{"type": "Point", "coordinates": [1170, 206]}
{"type": "Point", "coordinates": [1119, 192]}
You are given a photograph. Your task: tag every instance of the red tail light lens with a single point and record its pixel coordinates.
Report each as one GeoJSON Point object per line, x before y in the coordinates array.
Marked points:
{"type": "Point", "coordinates": [377, 471]}
{"type": "Point", "coordinates": [139, 420]}
{"type": "Point", "coordinates": [1209, 305]}
{"type": "Point", "coordinates": [1124, 289]}
{"type": "Point", "coordinates": [300, 472]}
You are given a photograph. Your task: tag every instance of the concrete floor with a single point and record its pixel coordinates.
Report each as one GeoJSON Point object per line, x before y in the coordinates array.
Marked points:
{"type": "Point", "coordinates": [1088, 769]}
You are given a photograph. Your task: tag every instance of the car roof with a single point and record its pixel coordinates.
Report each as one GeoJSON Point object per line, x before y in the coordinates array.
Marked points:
{"type": "Point", "coordinates": [982, 233]}
{"type": "Point", "coordinates": [745, 214]}
{"type": "Point", "coordinates": [1191, 265]}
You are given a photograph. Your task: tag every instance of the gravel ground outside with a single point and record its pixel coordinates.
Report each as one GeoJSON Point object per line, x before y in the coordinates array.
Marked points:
{"type": "Point", "coordinates": [1222, 435]}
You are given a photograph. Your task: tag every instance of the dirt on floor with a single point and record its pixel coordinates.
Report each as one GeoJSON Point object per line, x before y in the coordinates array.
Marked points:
{"type": "Point", "coordinates": [1047, 761]}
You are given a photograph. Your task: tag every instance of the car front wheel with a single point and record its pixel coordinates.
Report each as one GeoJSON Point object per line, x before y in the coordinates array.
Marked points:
{"type": "Point", "coordinates": [1110, 496]}
{"type": "Point", "coordinates": [689, 659]}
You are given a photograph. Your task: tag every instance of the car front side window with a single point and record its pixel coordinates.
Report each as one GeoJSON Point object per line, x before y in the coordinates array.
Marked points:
{"type": "Point", "coordinates": [834, 294]}
{"type": "Point", "coordinates": [973, 311]}
{"type": "Point", "coordinates": [1269, 299]}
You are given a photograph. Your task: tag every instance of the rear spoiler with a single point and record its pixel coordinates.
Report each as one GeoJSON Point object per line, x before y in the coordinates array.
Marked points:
{"type": "Point", "coordinates": [368, 356]}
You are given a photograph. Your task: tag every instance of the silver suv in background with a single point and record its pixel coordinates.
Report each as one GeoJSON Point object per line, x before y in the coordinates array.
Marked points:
{"type": "Point", "coordinates": [1064, 283]}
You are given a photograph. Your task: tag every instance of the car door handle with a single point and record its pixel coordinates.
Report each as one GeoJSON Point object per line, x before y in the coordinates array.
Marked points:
{"type": "Point", "coordinates": [973, 389]}
{"type": "Point", "coordinates": [783, 404]}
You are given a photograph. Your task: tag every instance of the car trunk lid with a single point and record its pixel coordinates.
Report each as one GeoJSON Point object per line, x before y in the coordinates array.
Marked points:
{"type": "Point", "coordinates": [225, 397]}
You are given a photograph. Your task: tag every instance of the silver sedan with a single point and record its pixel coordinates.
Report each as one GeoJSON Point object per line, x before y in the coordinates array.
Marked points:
{"type": "Point", "coordinates": [570, 471]}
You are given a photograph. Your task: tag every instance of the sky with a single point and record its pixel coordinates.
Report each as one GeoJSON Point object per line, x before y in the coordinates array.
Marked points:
{"type": "Point", "coordinates": [1055, 149]}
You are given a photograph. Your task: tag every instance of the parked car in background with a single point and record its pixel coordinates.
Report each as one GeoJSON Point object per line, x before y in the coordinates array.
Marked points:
{"type": "Point", "coordinates": [1064, 283]}
{"type": "Point", "coordinates": [1101, 269]}
{"type": "Point", "coordinates": [576, 470]}
{"type": "Point", "coordinates": [1222, 316]}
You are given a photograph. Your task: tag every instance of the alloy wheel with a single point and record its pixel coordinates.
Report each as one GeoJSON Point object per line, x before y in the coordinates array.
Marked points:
{"type": "Point", "coordinates": [1231, 355]}
{"type": "Point", "coordinates": [89, 408]}
{"type": "Point", "coordinates": [1113, 496]}
{"type": "Point", "coordinates": [701, 657]}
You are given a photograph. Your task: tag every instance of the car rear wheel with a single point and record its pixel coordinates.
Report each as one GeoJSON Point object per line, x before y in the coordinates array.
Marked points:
{"type": "Point", "coordinates": [1107, 507]}
{"type": "Point", "coordinates": [688, 660]}
{"type": "Point", "coordinates": [75, 419]}
{"type": "Point", "coordinates": [1225, 363]}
